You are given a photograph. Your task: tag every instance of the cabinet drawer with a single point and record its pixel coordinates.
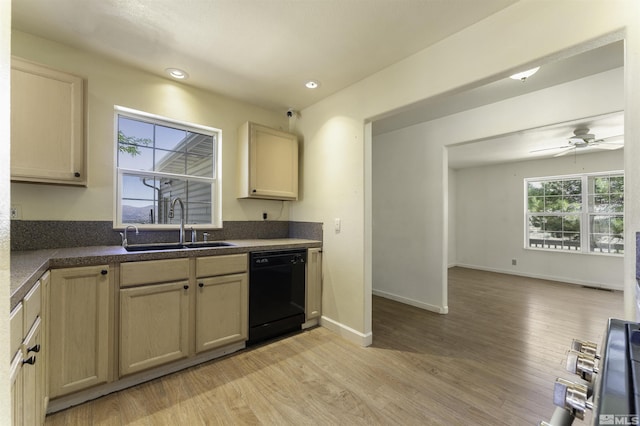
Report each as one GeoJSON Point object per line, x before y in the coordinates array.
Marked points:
{"type": "Point", "coordinates": [16, 331]}
{"type": "Point", "coordinates": [153, 271]}
{"type": "Point", "coordinates": [221, 265]}
{"type": "Point", "coordinates": [31, 304]}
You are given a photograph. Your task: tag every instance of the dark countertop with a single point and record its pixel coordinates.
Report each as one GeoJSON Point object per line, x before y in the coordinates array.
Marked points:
{"type": "Point", "coordinates": [28, 266]}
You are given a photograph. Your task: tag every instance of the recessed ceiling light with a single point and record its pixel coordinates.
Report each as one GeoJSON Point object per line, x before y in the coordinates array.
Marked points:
{"type": "Point", "coordinates": [177, 73]}
{"type": "Point", "coordinates": [522, 76]}
{"type": "Point", "coordinates": [311, 84]}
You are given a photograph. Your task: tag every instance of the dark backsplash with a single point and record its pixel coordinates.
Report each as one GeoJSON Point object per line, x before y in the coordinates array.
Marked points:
{"type": "Point", "coordinates": [36, 234]}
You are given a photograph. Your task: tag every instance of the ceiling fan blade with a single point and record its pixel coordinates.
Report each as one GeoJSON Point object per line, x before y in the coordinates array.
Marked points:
{"type": "Point", "coordinates": [565, 152]}
{"type": "Point", "coordinates": [549, 149]}
{"type": "Point", "coordinates": [609, 146]}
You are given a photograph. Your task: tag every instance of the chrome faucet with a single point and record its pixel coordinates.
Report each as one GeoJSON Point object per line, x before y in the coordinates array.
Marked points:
{"type": "Point", "coordinates": [173, 204]}
{"type": "Point", "coordinates": [125, 241]}
{"type": "Point", "coordinates": [194, 235]}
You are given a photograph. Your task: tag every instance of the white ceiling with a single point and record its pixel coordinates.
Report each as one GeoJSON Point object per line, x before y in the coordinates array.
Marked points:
{"type": "Point", "coordinates": [518, 146]}
{"type": "Point", "coordinates": [263, 51]}
{"type": "Point", "coordinates": [538, 143]}
{"type": "Point", "coordinates": [257, 51]}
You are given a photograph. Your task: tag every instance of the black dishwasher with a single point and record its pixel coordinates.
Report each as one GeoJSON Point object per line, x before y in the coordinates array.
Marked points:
{"type": "Point", "coordinates": [276, 293]}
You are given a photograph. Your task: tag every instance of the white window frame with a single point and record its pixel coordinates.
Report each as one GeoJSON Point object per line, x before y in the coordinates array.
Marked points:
{"type": "Point", "coordinates": [215, 180]}
{"type": "Point", "coordinates": [585, 231]}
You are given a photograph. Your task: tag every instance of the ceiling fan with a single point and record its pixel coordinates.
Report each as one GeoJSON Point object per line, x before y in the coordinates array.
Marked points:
{"type": "Point", "coordinates": [583, 139]}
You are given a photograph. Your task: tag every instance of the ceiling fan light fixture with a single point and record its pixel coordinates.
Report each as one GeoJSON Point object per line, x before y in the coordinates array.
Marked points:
{"type": "Point", "coordinates": [177, 73]}
{"type": "Point", "coordinates": [522, 76]}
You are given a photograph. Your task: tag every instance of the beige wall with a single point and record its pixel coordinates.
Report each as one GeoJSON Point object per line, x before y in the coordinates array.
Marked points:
{"type": "Point", "coordinates": [337, 151]}
{"type": "Point", "coordinates": [5, 50]}
{"type": "Point", "coordinates": [110, 83]}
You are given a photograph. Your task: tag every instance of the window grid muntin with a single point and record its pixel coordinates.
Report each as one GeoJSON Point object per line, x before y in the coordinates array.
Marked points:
{"type": "Point", "coordinates": [190, 152]}
{"type": "Point", "coordinates": [586, 244]}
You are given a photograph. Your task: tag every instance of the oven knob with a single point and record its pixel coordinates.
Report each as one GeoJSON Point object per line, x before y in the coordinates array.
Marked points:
{"type": "Point", "coordinates": [585, 347]}
{"type": "Point", "coordinates": [572, 397]}
{"type": "Point", "coordinates": [582, 364]}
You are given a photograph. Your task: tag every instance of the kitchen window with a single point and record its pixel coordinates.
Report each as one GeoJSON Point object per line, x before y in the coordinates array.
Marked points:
{"type": "Point", "coordinates": [159, 160]}
{"type": "Point", "coordinates": [576, 213]}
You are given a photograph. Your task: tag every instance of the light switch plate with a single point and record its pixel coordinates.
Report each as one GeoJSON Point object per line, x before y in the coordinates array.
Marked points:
{"type": "Point", "coordinates": [337, 223]}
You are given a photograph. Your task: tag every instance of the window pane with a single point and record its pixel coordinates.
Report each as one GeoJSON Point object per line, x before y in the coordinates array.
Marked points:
{"type": "Point", "coordinates": [137, 211]}
{"type": "Point", "coordinates": [536, 204]}
{"type": "Point", "coordinates": [572, 203]}
{"type": "Point", "coordinates": [572, 187]}
{"type": "Point", "coordinates": [199, 166]}
{"type": "Point", "coordinates": [135, 157]}
{"type": "Point", "coordinates": [601, 184]}
{"type": "Point", "coordinates": [607, 234]}
{"type": "Point", "coordinates": [170, 162]}
{"type": "Point", "coordinates": [169, 138]}
{"type": "Point", "coordinates": [135, 132]}
{"type": "Point", "coordinates": [553, 203]}
{"type": "Point", "coordinates": [616, 184]}
{"type": "Point", "coordinates": [553, 187]}
{"type": "Point", "coordinates": [535, 189]}
{"type": "Point", "coordinates": [616, 203]}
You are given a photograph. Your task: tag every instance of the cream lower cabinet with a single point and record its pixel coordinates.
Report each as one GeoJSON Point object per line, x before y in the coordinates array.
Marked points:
{"type": "Point", "coordinates": [28, 366]}
{"type": "Point", "coordinates": [169, 312]}
{"type": "Point", "coordinates": [314, 283]}
{"type": "Point", "coordinates": [33, 378]}
{"type": "Point", "coordinates": [154, 325]}
{"type": "Point", "coordinates": [17, 398]}
{"type": "Point", "coordinates": [221, 311]}
{"type": "Point", "coordinates": [222, 301]}
{"type": "Point", "coordinates": [155, 301]}
{"type": "Point", "coordinates": [79, 329]}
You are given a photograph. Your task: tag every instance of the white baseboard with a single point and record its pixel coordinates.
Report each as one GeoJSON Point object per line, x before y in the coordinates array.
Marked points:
{"type": "Point", "coordinates": [542, 277]}
{"type": "Point", "coordinates": [412, 302]}
{"type": "Point", "coordinates": [347, 332]}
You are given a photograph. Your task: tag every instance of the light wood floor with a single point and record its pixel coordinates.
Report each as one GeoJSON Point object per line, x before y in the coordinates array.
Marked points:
{"type": "Point", "coordinates": [491, 361]}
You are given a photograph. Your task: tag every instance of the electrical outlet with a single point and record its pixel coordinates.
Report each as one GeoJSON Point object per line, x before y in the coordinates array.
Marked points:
{"type": "Point", "coordinates": [264, 216]}
{"type": "Point", "coordinates": [16, 212]}
{"type": "Point", "coordinates": [514, 262]}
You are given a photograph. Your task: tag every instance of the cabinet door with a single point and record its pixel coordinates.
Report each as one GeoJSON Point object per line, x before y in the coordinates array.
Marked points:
{"type": "Point", "coordinates": [154, 325]}
{"type": "Point", "coordinates": [314, 283]}
{"type": "Point", "coordinates": [47, 129]}
{"type": "Point", "coordinates": [44, 351]}
{"type": "Point", "coordinates": [268, 163]}
{"type": "Point", "coordinates": [32, 377]}
{"type": "Point", "coordinates": [15, 374]}
{"type": "Point", "coordinates": [79, 328]}
{"type": "Point", "coordinates": [221, 311]}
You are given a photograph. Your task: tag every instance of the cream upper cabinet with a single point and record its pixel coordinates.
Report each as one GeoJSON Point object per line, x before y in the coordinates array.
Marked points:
{"type": "Point", "coordinates": [314, 283]}
{"type": "Point", "coordinates": [47, 125]}
{"type": "Point", "coordinates": [80, 315]}
{"type": "Point", "coordinates": [268, 163]}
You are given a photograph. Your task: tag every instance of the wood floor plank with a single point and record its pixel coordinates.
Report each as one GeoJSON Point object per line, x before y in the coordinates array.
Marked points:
{"type": "Point", "coordinates": [491, 361]}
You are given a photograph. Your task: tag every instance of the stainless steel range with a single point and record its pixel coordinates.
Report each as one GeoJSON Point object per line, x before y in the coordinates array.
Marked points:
{"type": "Point", "coordinates": [610, 384]}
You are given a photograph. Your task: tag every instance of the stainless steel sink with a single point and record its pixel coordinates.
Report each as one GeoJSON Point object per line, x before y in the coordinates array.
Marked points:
{"type": "Point", "coordinates": [153, 246]}
{"type": "Point", "coordinates": [176, 246]}
{"type": "Point", "coordinates": [203, 244]}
